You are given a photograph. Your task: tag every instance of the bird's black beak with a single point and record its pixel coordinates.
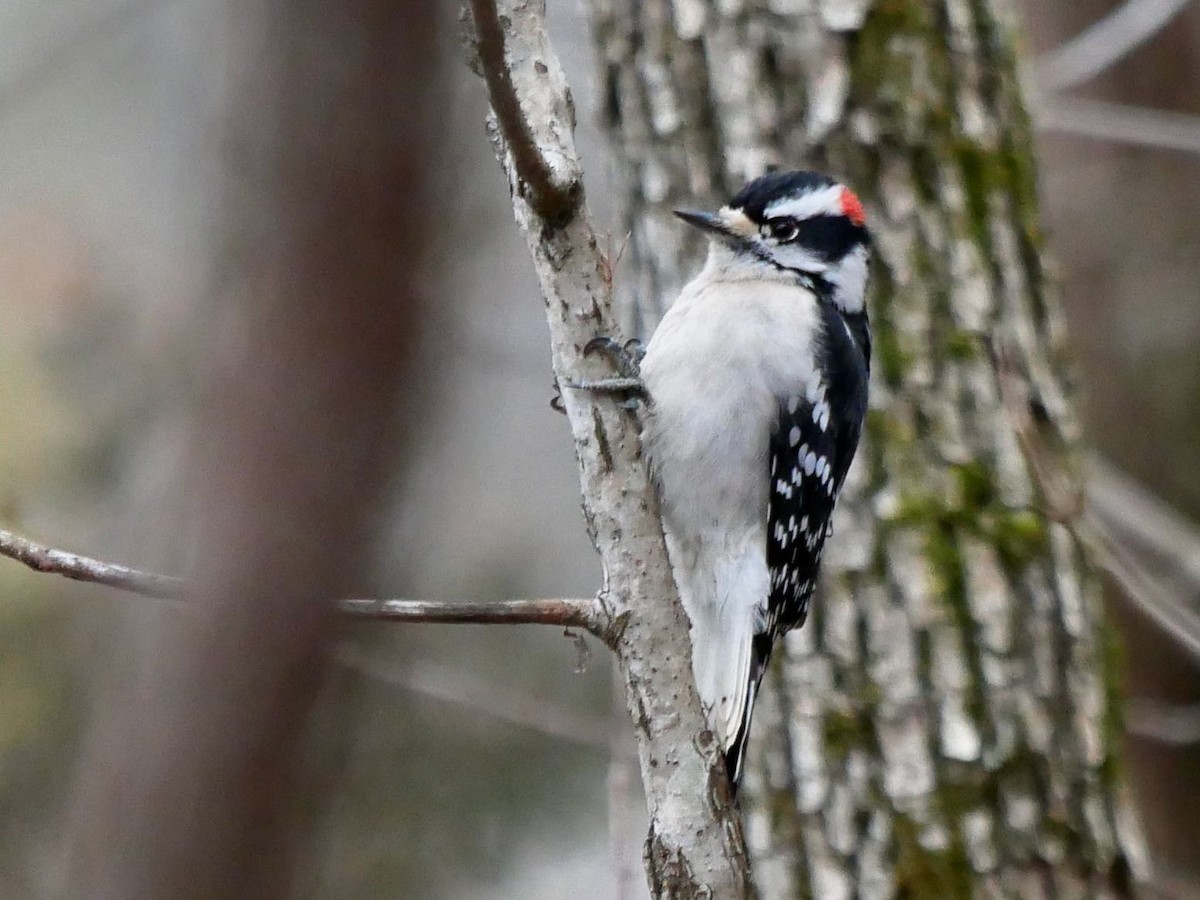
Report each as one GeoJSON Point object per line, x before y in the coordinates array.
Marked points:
{"type": "Point", "coordinates": [705, 221]}
{"type": "Point", "coordinates": [729, 225]}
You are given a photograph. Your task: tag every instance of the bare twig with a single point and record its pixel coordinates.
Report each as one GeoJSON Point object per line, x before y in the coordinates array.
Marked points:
{"type": "Point", "coordinates": [1104, 42]}
{"type": "Point", "coordinates": [566, 613]}
{"type": "Point", "coordinates": [1176, 619]}
{"type": "Point", "coordinates": [1148, 525]}
{"type": "Point", "coordinates": [484, 697]}
{"type": "Point", "coordinates": [1064, 500]}
{"type": "Point", "coordinates": [1063, 496]}
{"type": "Point", "coordinates": [584, 613]}
{"type": "Point", "coordinates": [83, 568]}
{"type": "Point", "coordinates": [1167, 723]}
{"type": "Point", "coordinates": [1118, 122]}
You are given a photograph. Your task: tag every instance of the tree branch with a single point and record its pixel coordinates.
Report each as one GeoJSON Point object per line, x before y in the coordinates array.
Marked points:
{"type": "Point", "coordinates": [585, 613]}
{"type": "Point", "coordinates": [83, 568]}
{"type": "Point", "coordinates": [1118, 122]}
{"type": "Point", "coordinates": [566, 613]}
{"type": "Point", "coordinates": [1104, 42]}
{"type": "Point", "coordinates": [695, 847]}
{"type": "Point", "coordinates": [1119, 526]}
{"type": "Point", "coordinates": [552, 183]}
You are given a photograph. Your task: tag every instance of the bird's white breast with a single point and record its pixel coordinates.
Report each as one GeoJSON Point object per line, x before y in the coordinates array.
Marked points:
{"type": "Point", "coordinates": [724, 357]}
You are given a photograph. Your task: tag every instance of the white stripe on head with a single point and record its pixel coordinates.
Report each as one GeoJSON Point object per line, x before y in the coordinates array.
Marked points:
{"type": "Point", "coordinates": [823, 201]}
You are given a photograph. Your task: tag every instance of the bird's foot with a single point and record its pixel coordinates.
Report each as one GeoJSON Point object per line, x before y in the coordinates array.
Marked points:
{"type": "Point", "coordinates": [627, 360]}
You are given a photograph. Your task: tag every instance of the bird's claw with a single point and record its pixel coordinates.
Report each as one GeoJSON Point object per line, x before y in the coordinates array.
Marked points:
{"type": "Point", "coordinates": [630, 391]}
{"type": "Point", "coordinates": [626, 358]}
{"type": "Point", "coordinates": [627, 385]}
{"type": "Point", "coordinates": [556, 402]}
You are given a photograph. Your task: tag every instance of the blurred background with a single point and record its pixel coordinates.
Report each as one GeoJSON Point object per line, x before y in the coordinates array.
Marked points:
{"type": "Point", "coordinates": [463, 762]}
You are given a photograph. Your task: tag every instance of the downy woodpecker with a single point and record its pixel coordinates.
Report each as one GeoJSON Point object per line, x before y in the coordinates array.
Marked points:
{"type": "Point", "coordinates": [757, 381]}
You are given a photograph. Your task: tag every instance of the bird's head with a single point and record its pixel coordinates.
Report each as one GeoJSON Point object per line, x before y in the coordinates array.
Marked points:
{"type": "Point", "coordinates": [799, 225]}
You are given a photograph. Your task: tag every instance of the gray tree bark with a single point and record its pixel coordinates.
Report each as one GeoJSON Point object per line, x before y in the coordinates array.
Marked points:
{"type": "Point", "coordinates": [947, 723]}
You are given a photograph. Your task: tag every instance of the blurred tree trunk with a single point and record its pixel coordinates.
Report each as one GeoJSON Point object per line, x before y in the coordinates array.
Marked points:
{"type": "Point", "coordinates": [1141, 369]}
{"type": "Point", "coordinates": [946, 724]}
{"type": "Point", "coordinates": [187, 777]}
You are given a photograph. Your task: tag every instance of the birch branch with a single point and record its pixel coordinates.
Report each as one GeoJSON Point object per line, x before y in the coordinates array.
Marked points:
{"type": "Point", "coordinates": [551, 189]}
{"type": "Point", "coordinates": [695, 847]}
{"type": "Point", "coordinates": [1118, 122]}
{"type": "Point", "coordinates": [585, 613]}
{"type": "Point", "coordinates": [1066, 500]}
{"type": "Point", "coordinates": [565, 613]}
{"type": "Point", "coordinates": [45, 559]}
{"type": "Point", "coordinates": [1104, 42]}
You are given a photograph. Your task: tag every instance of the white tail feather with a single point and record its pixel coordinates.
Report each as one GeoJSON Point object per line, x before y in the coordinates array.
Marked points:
{"type": "Point", "coordinates": [721, 658]}
{"type": "Point", "coordinates": [725, 610]}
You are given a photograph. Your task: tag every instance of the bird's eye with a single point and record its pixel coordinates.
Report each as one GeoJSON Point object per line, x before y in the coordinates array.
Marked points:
{"type": "Point", "coordinates": [782, 230]}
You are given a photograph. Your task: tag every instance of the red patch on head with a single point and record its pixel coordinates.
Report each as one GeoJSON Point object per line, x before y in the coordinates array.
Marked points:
{"type": "Point", "coordinates": [852, 209]}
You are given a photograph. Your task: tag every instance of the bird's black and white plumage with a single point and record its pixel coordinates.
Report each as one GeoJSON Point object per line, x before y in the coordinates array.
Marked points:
{"type": "Point", "coordinates": [757, 377]}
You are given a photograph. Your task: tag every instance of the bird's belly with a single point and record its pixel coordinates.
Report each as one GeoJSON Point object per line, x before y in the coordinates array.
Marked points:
{"type": "Point", "coordinates": [705, 455]}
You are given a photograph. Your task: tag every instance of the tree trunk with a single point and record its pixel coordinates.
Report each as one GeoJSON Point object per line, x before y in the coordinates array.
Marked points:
{"type": "Point", "coordinates": [187, 784]}
{"type": "Point", "coordinates": [946, 724]}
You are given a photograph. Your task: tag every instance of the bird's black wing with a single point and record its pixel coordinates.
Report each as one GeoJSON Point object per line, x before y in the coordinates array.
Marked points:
{"type": "Point", "coordinates": [814, 441]}
{"type": "Point", "coordinates": [810, 452]}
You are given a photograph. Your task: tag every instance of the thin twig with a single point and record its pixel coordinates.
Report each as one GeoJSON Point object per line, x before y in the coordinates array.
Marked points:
{"type": "Point", "coordinates": [1118, 122]}
{"type": "Point", "coordinates": [1065, 505]}
{"type": "Point", "coordinates": [562, 612]}
{"type": "Point", "coordinates": [484, 697]}
{"type": "Point", "coordinates": [549, 194]}
{"type": "Point", "coordinates": [1104, 42]}
{"type": "Point", "coordinates": [585, 613]}
{"type": "Point", "coordinates": [83, 568]}
{"type": "Point", "coordinates": [1168, 723]}
{"type": "Point", "coordinates": [1147, 524]}
{"type": "Point", "coordinates": [1176, 619]}
{"type": "Point", "coordinates": [1063, 497]}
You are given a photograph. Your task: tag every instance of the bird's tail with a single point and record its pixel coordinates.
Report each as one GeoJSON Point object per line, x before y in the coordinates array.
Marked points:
{"type": "Point", "coordinates": [760, 657]}
{"type": "Point", "coordinates": [729, 659]}
{"type": "Point", "coordinates": [723, 585]}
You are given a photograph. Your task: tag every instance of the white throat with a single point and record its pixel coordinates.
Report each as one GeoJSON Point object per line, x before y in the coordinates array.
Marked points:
{"type": "Point", "coordinates": [847, 277]}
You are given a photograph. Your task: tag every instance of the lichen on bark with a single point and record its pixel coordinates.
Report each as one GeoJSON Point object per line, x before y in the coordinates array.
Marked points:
{"type": "Point", "coordinates": [943, 725]}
